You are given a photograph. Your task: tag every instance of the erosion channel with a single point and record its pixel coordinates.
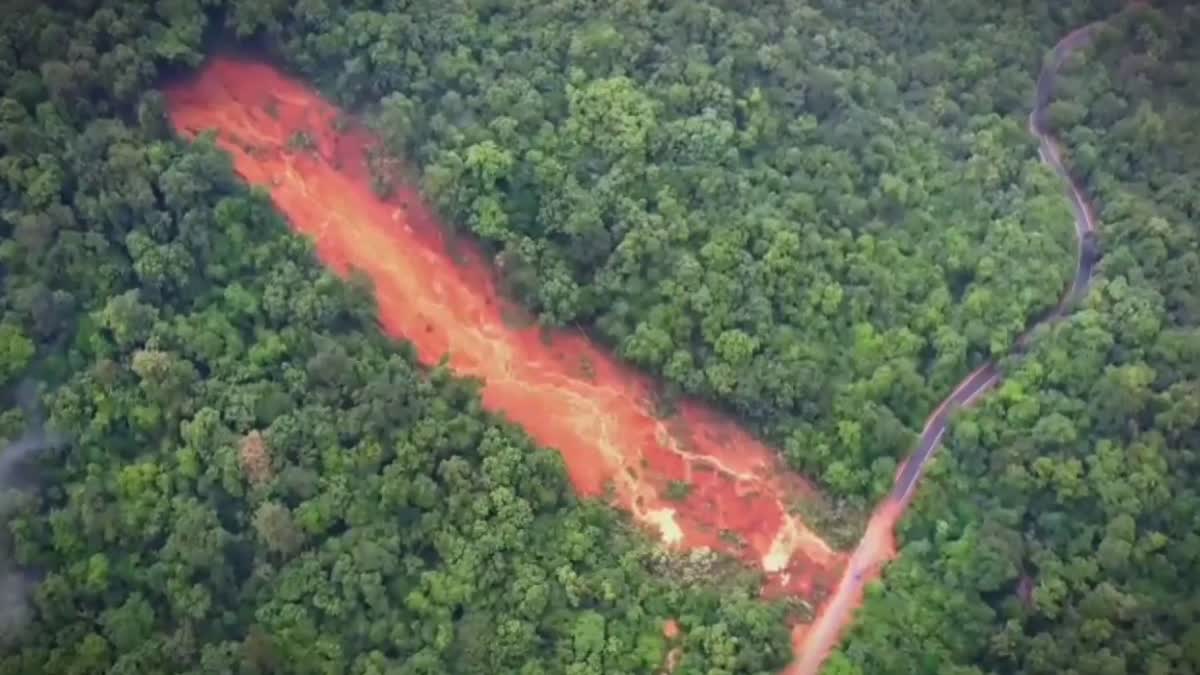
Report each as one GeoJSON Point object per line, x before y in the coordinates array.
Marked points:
{"type": "Point", "coordinates": [695, 477]}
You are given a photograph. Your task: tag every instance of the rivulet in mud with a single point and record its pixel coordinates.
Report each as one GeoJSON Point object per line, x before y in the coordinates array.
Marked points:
{"type": "Point", "coordinates": [566, 392]}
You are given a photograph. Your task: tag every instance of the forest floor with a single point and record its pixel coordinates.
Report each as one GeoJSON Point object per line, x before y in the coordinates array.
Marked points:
{"type": "Point", "coordinates": [696, 478]}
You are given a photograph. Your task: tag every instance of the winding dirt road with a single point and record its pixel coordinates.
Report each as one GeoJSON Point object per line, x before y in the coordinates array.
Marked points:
{"type": "Point", "coordinates": [813, 643]}
{"type": "Point", "coordinates": [600, 417]}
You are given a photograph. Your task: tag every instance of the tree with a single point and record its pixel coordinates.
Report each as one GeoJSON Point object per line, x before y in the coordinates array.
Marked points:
{"type": "Point", "coordinates": [16, 351]}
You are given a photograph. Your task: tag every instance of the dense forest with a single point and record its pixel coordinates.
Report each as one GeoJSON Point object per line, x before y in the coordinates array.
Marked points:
{"type": "Point", "coordinates": [1059, 533]}
{"type": "Point", "coordinates": [820, 215]}
{"type": "Point", "coordinates": [767, 206]}
{"type": "Point", "coordinates": [257, 480]}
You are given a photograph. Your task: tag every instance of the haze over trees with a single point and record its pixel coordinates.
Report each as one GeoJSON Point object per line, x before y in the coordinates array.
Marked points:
{"type": "Point", "coordinates": [820, 215]}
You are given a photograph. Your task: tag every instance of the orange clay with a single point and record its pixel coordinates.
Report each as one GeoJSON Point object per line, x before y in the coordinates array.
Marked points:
{"type": "Point", "coordinates": [811, 643]}
{"type": "Point", "coordinates": [598, 417]}
{"type": "Point", "coordinates": [566, 392]}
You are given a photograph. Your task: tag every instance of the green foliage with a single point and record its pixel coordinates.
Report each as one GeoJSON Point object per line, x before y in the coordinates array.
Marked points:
{"type": "Point", "coordinates": [818, 214]}
{"type": "Point", "coordinates": [767, 205]}
{"type": "Point", "coordinates": [301, 141]}
{"type": "Point", "coordinates": [16, 350]}
{"type": "Point", "coordinates": [257, 479]}
{"type": "Point", "coordinates": [1059, 532]}
{"type": "Point", "coordinates": [678, 490]}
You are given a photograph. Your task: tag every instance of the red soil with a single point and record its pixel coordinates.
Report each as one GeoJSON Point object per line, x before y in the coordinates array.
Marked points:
{"type": "Point", "coordinates": [811, 643]}
{"type": "Point", "coordinates": [565, 391]}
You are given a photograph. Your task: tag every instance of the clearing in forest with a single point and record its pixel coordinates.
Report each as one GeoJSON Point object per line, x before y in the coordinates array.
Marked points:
{"type": "Point", "coordinates": [698, 479]}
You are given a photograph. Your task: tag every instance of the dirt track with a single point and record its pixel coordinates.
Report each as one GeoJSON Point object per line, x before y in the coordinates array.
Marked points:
{"type": "Point", "coordinates": [813, 643]}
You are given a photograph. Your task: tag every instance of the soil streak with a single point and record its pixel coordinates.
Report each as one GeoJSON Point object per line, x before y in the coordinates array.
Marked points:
{"type": "Point", "coordinates": [565, 391]}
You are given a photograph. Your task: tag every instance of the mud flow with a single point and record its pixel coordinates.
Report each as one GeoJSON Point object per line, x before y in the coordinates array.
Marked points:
{"type": "Point", "coordinates": [695, 479]}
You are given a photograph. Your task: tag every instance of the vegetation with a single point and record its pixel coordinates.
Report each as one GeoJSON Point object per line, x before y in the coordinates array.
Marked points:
{"type": "Point", "coordinates": [816, 213]}
{"type": "Point", "coordinates": [763, 205]}
{"type": "Point", "coordinates": [257, 480]}
{"type": "Point", "coordinates": [1058, 534]}
{"type": "Point", "coordinates": [301, 141]}
{"type": "Point", "coordinates": [678, 489]}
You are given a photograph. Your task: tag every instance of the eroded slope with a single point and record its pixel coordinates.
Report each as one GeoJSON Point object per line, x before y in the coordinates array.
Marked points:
{"type": "Point", "coordinates": [696, 477]}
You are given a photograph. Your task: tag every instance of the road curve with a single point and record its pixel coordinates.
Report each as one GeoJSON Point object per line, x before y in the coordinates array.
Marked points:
{"type": "Point", "coordinates": [876, 547]}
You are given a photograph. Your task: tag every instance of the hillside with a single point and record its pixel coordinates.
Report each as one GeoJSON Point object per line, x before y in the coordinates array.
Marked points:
{"type": "Point", "coordinates": [1060, 534]}
{"type": "Point", "coordinates": [800, 222]}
